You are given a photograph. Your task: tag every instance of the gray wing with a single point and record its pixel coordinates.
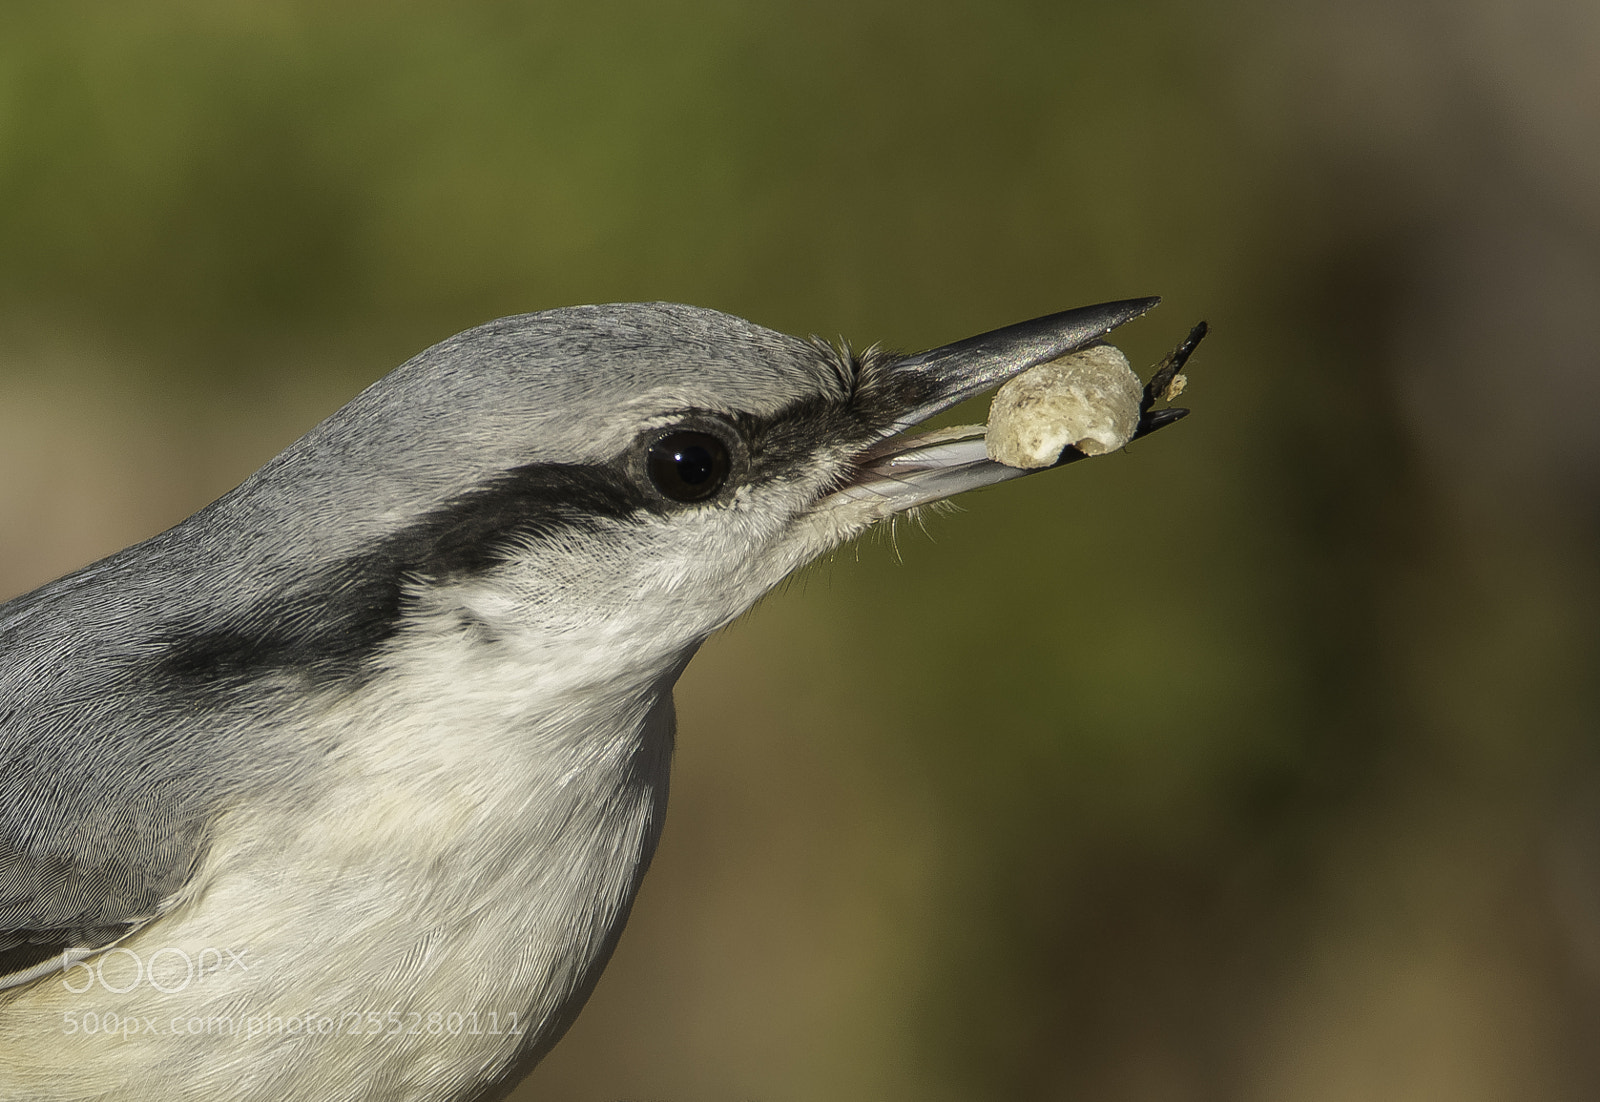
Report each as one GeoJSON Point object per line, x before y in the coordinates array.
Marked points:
{"type": "Point", "coordinates": [104, 789]}
{"type": "Point", "coordinates": [143, 696]}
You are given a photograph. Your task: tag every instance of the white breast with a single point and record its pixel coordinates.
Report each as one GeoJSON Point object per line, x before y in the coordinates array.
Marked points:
{"type": "Point", "coordinates": [427, 907]}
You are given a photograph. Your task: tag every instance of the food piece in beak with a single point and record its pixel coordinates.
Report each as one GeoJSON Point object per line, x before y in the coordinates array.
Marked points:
{"type": "Point", "coordinates": [1089, 400]}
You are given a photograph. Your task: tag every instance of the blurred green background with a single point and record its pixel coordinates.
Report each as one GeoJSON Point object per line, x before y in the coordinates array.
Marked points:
{"type": "Point", "coordinates": [1257, 762]}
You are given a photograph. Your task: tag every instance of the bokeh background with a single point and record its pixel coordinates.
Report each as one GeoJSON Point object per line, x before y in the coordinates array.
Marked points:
{"type": "Point", "coordinates": [1258, 762]}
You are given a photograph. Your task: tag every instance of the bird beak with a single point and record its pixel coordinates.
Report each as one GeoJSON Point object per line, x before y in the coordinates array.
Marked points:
{"type": "Point", "coordinates": [901, 472]}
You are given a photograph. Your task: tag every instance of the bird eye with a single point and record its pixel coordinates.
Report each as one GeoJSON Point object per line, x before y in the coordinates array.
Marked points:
{"type": "Point", "coordinates": [688, 466]}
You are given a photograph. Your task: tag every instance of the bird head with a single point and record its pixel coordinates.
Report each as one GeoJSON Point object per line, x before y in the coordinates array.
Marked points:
{"type": "Point", "coordinates": [617, 482]}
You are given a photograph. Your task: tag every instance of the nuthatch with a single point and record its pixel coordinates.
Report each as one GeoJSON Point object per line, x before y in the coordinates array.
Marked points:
{"type": "Point", "coordinates": [342, 788]}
